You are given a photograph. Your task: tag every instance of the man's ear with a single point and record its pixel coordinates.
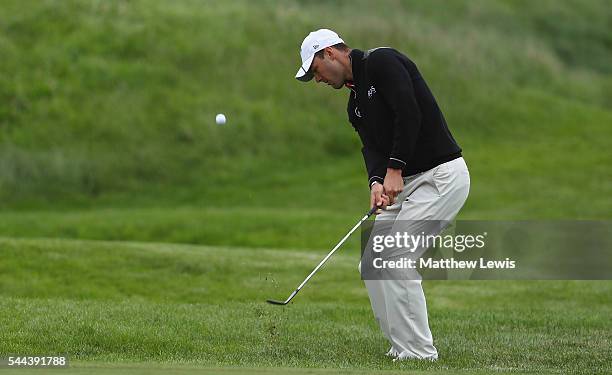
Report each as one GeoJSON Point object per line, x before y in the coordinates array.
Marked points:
{"type": "Point", "coordinates": [329, 52]}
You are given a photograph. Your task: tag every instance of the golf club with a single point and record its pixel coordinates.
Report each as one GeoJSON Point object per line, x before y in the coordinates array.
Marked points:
{"type": "Point", "coordinates": [364, 218]}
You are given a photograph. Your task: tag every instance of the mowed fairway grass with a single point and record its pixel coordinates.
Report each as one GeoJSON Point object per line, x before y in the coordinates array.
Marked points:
{"type": "Point", "coordinates": [128, 306]}
{"type": "Point", "coordinates": [139, 237]}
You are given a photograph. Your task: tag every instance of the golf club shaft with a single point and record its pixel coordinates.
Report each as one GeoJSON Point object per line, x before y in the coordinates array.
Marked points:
{"type": "Point", "coordinates": [364, 218]}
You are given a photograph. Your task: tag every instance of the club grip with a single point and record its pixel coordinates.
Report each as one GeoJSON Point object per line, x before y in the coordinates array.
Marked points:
{"type": "Point", "coordinates": [372, 210]}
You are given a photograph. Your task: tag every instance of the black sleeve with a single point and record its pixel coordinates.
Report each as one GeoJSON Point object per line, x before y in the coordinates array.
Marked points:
{"type": "Point", "coordinates": [393, 82]}
{"type": "Point", "coordinates": [375, 163]}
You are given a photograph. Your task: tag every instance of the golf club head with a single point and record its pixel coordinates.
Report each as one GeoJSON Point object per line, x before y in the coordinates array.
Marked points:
{"type": "Point", "coordinates": [283, 303]}
{"type": "Point", "coordinates": [273, 302]}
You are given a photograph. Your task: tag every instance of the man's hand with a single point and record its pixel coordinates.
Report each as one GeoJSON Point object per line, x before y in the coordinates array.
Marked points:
{"type": "Point", "coordinates": [394, 184]}
{"type": "Point", "coordinates": [378, 197]}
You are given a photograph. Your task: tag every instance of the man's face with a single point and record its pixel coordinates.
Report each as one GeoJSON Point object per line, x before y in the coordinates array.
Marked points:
{"type": "Point", "coordinates": [328, 69]}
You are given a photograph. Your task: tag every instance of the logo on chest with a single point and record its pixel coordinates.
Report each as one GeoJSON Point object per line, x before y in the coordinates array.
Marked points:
{"type": "Point", "coordinates": [371, 92]}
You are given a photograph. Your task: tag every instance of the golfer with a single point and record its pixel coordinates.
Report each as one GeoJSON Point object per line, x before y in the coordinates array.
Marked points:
{"type": "Point", "coordinates": [414, 165]}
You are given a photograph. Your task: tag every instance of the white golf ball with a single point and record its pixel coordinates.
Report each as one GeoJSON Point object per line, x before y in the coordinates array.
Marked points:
{"type": "Point", "coordinates": [220, 119]}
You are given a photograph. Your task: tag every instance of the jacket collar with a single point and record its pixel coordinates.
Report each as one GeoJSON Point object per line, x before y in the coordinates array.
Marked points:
{"type": "Point", "coordinates": [357, 65]}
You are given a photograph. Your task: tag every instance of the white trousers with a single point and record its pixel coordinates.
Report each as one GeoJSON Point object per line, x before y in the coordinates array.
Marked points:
{"type": "Point", "coordinates": [399, 305]}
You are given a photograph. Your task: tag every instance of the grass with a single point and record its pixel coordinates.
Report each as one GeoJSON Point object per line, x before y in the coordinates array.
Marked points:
{"type": "Point", "coordinates": [179, 370]}
{"type": "Point", "coordinates": [214, 226]}
{"type": "Point", "coordinates": [120, 110]}
{"type": "Point", "coordinates": [139, 237]}
{"type": "Point", "coordinates": [164, 304]}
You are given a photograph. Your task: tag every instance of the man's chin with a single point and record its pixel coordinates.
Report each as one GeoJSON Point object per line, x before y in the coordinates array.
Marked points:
{"type": "Point", "coordinates": [338, 86]}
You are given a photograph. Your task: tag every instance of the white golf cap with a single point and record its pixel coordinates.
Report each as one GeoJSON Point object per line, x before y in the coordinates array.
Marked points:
{"type": "Point", "coordinates": [313, 43]}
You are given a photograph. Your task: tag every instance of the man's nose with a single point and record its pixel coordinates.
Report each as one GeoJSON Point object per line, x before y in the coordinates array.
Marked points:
{"type": "Point", "coordinates": [317, 78]}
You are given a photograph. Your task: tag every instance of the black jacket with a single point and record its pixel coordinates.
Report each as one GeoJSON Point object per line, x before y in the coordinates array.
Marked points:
{"type": "Point", "coordinates": [396, 115]}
